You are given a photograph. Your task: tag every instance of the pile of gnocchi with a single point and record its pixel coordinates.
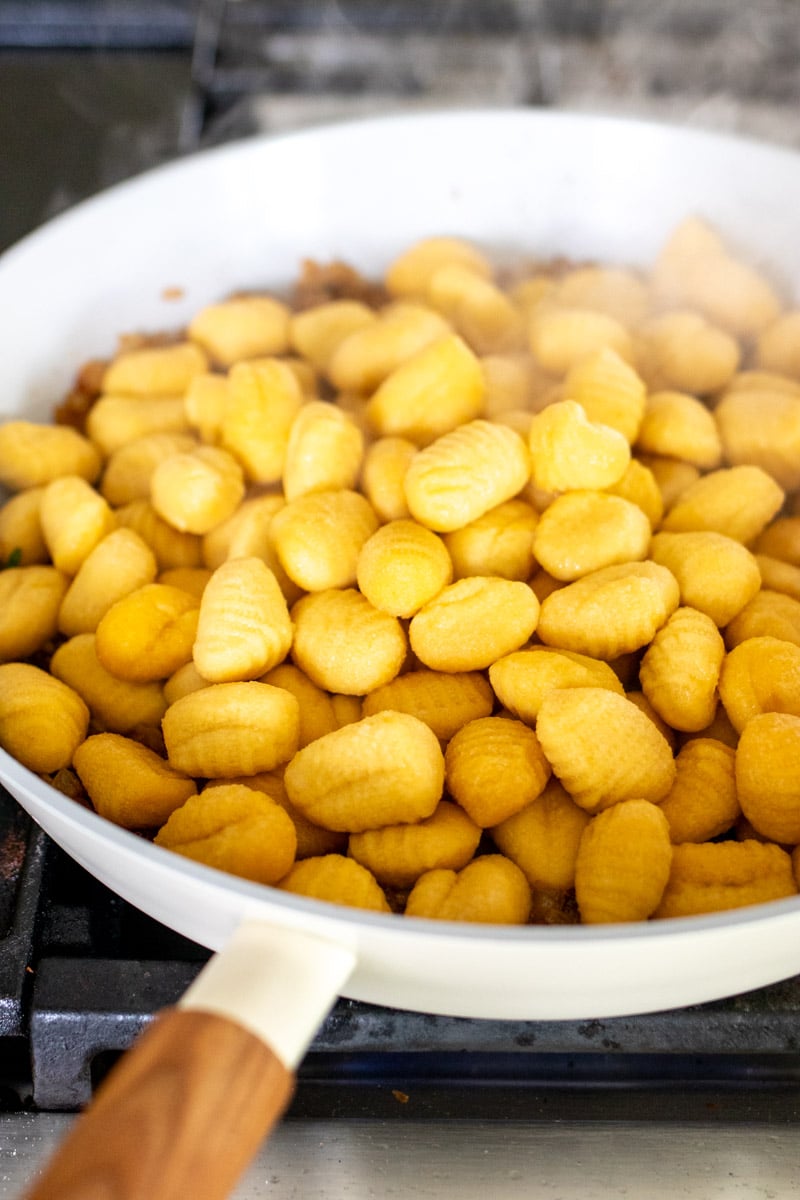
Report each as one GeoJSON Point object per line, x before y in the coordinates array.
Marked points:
{"type": "Point", "coordinates": [473, 595]}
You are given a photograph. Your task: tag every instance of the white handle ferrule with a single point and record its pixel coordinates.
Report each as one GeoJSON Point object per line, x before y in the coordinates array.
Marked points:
{"type": "Point", "coordinates": [278, 983]}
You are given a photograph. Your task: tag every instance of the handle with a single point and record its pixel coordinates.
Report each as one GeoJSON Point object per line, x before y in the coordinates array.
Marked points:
{"type": "Point", "coordinates": [182, 1115]}
{"type": "Point", "coordinates": [188, 1106]}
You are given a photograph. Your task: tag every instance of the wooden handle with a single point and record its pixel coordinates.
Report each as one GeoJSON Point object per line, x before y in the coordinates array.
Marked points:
{"type": "Point", "coordinates": [179, 1118]}
{"type": "Point", "coordinates": [186, 1109]}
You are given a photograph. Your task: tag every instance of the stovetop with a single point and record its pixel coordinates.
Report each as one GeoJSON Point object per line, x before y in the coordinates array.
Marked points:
{"type": "Point", "coordinates": [82, 972]}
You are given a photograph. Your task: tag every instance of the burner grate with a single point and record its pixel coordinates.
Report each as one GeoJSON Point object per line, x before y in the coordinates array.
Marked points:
{"type": "Point", "coordinates": [22, 853]}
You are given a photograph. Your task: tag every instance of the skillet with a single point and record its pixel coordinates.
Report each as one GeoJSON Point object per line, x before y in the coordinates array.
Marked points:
{"type": "Point", "coordinates": [517, 182]}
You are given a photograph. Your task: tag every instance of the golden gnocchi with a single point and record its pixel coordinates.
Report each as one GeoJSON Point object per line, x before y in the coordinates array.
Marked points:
{"type": "Point", "coordinates": [473, 593]}
{"type": "Point", "coordinates": [609, 611]}
{"type": "Point", "coordinates": [336, 879]}
{"type": "Point", "coordinates": [43, 721]}
{"type": "Point", "coordinates": [382, 770]}
{"type": "Point", "coordinates": [30, 601]}
{"type": "Point", "coordinates": [623, 863]}
{"type": "Point", "coordinates": [344, 644]}
{"type": "Point", "coordinates": [128, 783]}
{"type": "Point", "coordinates": [434, 391]}
{"type": "Point", "coordinates": [707, 877]}
{"type": "Point", "coordinates": [582, 531]}
{"type": "Point", "coordinates": [243, 627]}
{"type": "Point", "coordinates": [399, 854]}
{"type": "Point", "coordinates": [491, 890]}
{"type": "Point", "coordinates": [464, 473]}
{"type": "Point", "coordinates": [501, 615]}
{"type": "Point", "coordinates": [233, 828]}
{"type": "Point", "coordinates": [444, 700]}
{"type": "Point", "coordinates": [402, 566]}
{"type": "Point", "coordinates": [494, 767]}
{"type": "Point", "coordinates": [569, 451]}
{"type": "Point", "coordinates": [716, 574]}
{"type": "Point", "coordinates": [680, 670]}
{"type": "Point", "coordinates": [768, 775]}
{"type": "Point", "coordinates": [703, 802]}
{"type": "Point", "coordinates": [543, 838]}
{"type": "Point", "coordinates": [603, 748]}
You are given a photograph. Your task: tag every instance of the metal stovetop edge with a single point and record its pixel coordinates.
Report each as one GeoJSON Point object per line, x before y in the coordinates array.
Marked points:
{"type": "Point", "coordinates": [470, 1160]}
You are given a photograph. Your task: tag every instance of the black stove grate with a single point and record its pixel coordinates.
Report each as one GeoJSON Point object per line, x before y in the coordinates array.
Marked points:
{"type": "Point", "coordinates": [82, 973]}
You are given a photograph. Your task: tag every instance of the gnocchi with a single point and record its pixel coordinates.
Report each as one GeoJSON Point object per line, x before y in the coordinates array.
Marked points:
{"type": "Point", "coordinates": [474, 595]}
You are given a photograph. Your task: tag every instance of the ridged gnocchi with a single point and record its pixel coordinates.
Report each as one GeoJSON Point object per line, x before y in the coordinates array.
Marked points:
{"type": "Point", "coordinates": [680, 670]}
{"type": "Point", "coordinates": [382, 770]}
{"type": "Point", "coordinates": [399, 854]}
{"type": "Point", "coordinates": [610, 611]}
{"type": "Point", "coordinates": [603, 748]}
{"type": "Point", "coordinates": [243, 627]}
{"type": "Point", "coordinates": [623, 863]}
{"type": "Point", "coordinates": [472, 593]}
{"type": "Point", "coordinates": [233, 828]}
{"type": "Point", "coordinates": [494, 767]}
{"type": "Point", "coordinates": [490, 890]}
{"type": "Point", "coordinates": [464, 473]}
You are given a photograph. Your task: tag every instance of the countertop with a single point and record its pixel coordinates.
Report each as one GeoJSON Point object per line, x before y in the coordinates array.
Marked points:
{"type": "Point", "coordinates": [89, 78]}
{"type": "Point", "coordinates": [323, 1160]}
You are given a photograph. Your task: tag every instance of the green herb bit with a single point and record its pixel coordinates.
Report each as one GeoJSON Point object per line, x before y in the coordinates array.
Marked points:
{"type": "Point", "coordinates": [14, 559]}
